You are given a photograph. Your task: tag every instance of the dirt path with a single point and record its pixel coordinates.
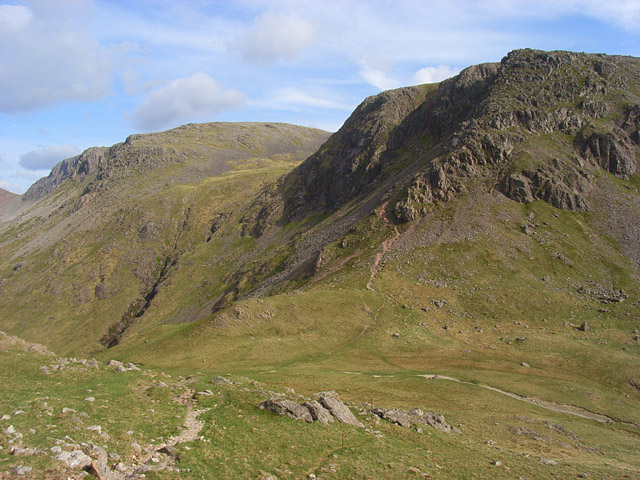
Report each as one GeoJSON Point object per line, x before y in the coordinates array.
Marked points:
{"type": "Point", "coordinates": [191, 426]}
{"type": "Point", "coordinates": [161, 456]}
{"type": "Point", "coordinates": [556, 407]}
{"type": "Point", "coordinates": [375, 319]}
{"type": "Point", "coordinates": [384, 248]}
{"type": "Point", "coordinates": [333, 268]}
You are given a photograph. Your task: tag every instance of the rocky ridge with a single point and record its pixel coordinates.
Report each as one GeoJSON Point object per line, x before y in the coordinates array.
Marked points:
{"type": "Point", "coordinates": [485, 124]}
{"type": "Point", "coordinates": [560, 127]}
{"type": "Point", "coordinates": [203, 149]}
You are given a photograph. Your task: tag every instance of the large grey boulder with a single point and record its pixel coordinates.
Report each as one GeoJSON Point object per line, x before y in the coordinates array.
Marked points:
{"type": "Point", "coordinates": [339, 410]}
{"type": "Point", "coordinates": [436, 421]}
{"type": "Point", "coordinates": [399, 417]}
{"type": "Point", "coordinates": [318, 412]}
{"type": "Point", "coordinates": [286, 407]}
{"type": "Point", "coordinates": [75, 459]}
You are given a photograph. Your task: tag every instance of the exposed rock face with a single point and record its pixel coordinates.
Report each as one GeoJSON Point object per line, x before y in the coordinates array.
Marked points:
{"type": "Point", "coordinates": [141, 153]}
{"type": "Point", "coordinates": [87, 163]}
{"type": "Point", "coordinates": [325, 410]}
{"type": "Point", "coordinates": [537, 125]}
{"type": "Point", "coordinates": [286, 407]}
{"type": "Point", "coordinates": [413, 417]}
{"type": "Point", "coordinates": [339, 410]}
{"type": "Point", "coordinates": [353, 157]}
{"type": "Point", "coordinates": [318, 412]}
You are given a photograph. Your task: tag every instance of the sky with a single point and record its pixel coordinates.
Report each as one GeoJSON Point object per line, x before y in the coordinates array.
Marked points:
{"type": "Point", "coordinates": [81, 73]}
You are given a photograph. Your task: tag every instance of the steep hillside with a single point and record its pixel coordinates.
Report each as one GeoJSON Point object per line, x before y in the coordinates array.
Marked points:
{"type": "Point", "coordinates": [93, 243]}
{"type": "Point", "coordinates": [6, 197]}
{"type": "Point", "coordinates": [470, 248]}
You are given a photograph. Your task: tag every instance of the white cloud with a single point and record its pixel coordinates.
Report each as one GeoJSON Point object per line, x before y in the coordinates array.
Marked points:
{"type": "Point", "coordinates": [622, 12]}
{"type": "Point", "coordinates": [379, 79]}
{"type": "Point", "coordinates": [197, 97]}
{"type": "Point", "coordinates": [434, 74]}
{"type": "Point", "coordinates": [14, 17]}
{"type": "Point", "coordinates": [47, 57]}
{"type": "Point", "coordinates": [276, 37]}
{"type": "Point", "coordinates": [294, 98]}
{"type": "Point", "coordinates": [44, 158]}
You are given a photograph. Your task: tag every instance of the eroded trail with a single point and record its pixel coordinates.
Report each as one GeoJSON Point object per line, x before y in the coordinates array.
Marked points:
{"type": "Point", "coordinates": [162, 456]}
{"type": "Point", "coordinates": [375, 319]}
{"type": "Point", "coordinates": [556, 407]}
{"type": "Point", "coordinates": [384, 247]}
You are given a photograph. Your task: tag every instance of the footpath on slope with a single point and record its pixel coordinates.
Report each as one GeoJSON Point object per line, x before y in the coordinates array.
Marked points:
{"type": "Point", "coordinates": [549, 405]}
{"type": "Point", "coordinates": [384, 248]}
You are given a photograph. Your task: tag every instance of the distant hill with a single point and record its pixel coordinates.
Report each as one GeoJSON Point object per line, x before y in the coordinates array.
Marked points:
{"type": "Point", "coordinates": [6, 196]}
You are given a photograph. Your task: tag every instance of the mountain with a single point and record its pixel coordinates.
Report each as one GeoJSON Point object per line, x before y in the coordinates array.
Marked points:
{"type": "Point", "coordinates": [470, 248]}
{"type": "Point", "coordinates": [93, 242]}
{"type": "Point", "coordinates": [6, 197]}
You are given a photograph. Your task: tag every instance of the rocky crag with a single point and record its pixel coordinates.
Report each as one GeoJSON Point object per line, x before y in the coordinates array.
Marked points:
{"type": "Point", "coordinates": [559, 127]}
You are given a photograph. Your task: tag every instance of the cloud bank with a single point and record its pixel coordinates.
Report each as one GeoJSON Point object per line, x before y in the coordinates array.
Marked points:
{"type": "Point", "coordinates": [434, 74]}
{"type": "Point", "coordinates": [276, 37]}
{"type": "Point", "coordinates": [46, 57]}
{"type": "Point", "coordinates": [44, 158]}
{"type": "Point", "coordinates": [193, 98]}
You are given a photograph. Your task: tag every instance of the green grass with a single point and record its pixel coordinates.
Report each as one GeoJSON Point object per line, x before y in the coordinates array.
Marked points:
{"type": "Point", "coordinates": [240, 441]}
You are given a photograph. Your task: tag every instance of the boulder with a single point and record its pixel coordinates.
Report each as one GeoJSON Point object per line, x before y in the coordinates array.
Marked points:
{"type": "Point", "coordinates": [339, 410]}
{"type": "Point", "coordinates": [21, 470]}
{"type": "Point", "coordinates": [318, 412]}
{"type": "Point", "coordinates": [413, 417]}
{"type": "Point", "coordinates": [399, 417]}
{"type": "Point", "coordinates": [101, 471]}
{"type": "Point", "coordinates": [286, 407]}
{"type": "Point", "coordinates": [75, 459]}
{"type": "Point", "coordinates": [221, 381]}
{"type": "Point", "coordinates": [436, 421]}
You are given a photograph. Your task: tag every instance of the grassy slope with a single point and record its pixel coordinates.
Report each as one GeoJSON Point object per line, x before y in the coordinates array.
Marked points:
{"type": "Point", "coordinates": [511, 297]}
{"type": "Point", "coordinates": [240, 441]}
{"type": "Point", "coordinates": [80, 268]}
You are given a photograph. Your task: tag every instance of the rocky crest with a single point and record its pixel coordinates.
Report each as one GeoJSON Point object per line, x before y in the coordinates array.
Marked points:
{"type": "Point", "coordinates": [493, 123]}
{"type": "Point", "coordinates": [535, 103]}
{"type": "Point", "coordinates": [195, 144]}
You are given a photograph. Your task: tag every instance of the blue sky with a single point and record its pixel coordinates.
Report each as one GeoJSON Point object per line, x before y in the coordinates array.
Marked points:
{"type": "Point", "coordinates": [82, 73]}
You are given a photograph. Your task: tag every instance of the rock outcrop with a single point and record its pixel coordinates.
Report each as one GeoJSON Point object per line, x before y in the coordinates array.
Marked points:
{"type": "Point", "coordinates": [138, 154]}
{"type": "Point", "coordinates": [291, 409]}
{"type": "Point", "coordinates": [415, 417]}
{"type": "Point", "coordinates": [327, 408]}
{"type": "Point", "coordinates": [537, 125]}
